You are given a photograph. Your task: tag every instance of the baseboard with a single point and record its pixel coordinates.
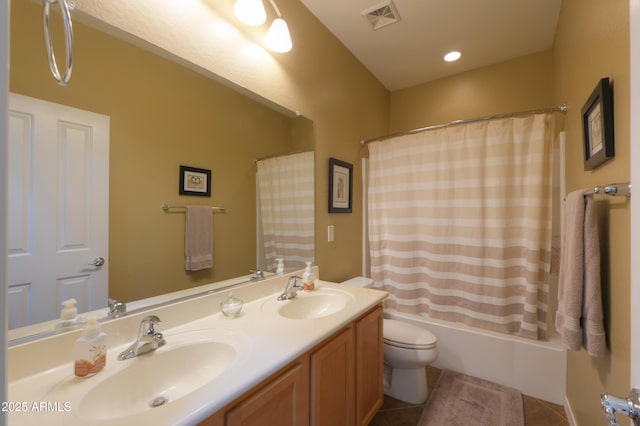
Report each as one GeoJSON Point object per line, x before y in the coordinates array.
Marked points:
{"type": "Point", "coordinates": [569, 412]}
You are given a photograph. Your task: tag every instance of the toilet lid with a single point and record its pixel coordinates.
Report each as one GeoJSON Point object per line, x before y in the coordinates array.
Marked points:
{"type": "Point", "coordinates": [405, 335]}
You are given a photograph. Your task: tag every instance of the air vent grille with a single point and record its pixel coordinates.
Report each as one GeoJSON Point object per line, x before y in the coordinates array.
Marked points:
{"type": "Point", "coordinates": [381, 15]}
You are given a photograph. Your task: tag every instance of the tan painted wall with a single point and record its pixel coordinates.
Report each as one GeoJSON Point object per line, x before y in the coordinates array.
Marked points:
{"type": "Point", "coordinates": [521, 84]}
{"type": "Point", "coordinates": [592, 41]}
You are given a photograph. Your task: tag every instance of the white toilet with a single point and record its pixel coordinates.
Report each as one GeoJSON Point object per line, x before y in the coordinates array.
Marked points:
{"type": "Point", "coordinates": [408, 349]}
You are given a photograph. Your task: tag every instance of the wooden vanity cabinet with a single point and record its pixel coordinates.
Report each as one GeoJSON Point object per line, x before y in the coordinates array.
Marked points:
{"type": "Point", "coordinates": [369, 366]}
{"type": "Point", "coordinates": [333, 381]}
{"type": "Point", "coordinates": [283, 401]}
{"type": "Point", "coordinates": [346, 374]}
{"type": "Point", "coordinates": [338, 382]}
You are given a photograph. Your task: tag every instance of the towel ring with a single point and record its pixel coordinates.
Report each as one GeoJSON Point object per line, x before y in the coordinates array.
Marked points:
{"type": "Point", "coordinates": [66, 19]}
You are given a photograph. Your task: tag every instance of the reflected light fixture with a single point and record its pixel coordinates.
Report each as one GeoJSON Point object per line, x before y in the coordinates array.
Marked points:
{"type": "Point", "coordinates": [250, 12]}
{"type": "Point", "coordinates": [278, 38]}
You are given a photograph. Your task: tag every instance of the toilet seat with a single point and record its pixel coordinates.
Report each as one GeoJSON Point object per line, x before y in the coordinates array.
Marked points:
{"type": "Point", "coordinates": [403, 335]}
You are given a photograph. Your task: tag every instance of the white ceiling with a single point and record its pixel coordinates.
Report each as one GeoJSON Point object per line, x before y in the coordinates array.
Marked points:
{"type": "Point", "coordinates": [410, 51]}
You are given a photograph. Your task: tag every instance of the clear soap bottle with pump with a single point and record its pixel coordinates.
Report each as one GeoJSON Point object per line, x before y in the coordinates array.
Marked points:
{"type": "Point", "coordinates": [280, 266]}
{"type": "Point", "coordinates": [308, 278]}
{"type": "Point", "coordinates": [68, 315]}
{"type": "Point", "coordinates": [90, 350]}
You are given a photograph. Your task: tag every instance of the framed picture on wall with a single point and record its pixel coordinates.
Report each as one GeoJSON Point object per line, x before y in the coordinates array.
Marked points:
{"type": "Point", "coordinates": [194, 181]}
{"type": "Point", "coordinates": [597, 125]}
{"type": "Point", "coordinates": [340, 186]}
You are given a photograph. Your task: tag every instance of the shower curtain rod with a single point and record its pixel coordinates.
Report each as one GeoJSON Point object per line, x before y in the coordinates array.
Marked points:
{"type": "Point", "coordinates": [281, 155]}
{"type": "Point", "coordinates": [562, 108]}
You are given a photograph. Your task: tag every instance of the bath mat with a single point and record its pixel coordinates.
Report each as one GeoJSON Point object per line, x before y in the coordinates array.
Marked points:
{"type": "Point", "coordinates": [461, 400]}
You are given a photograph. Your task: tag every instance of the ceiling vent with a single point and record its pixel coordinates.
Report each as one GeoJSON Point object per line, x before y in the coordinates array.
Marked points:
{"type": "Point", "coordinates": [382, 15]}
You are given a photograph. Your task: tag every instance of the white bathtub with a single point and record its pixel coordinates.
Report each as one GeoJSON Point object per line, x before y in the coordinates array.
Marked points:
{"type": "Point", "coordinates": [535, 368]}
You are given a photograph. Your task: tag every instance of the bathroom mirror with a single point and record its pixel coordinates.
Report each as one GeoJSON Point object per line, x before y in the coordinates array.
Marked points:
{"type": "Point", "coordinates": [162, 115]}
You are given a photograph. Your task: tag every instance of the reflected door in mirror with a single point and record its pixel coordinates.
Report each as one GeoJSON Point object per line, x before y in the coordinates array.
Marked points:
{"type": "Point", "coordinates": [58, 210]}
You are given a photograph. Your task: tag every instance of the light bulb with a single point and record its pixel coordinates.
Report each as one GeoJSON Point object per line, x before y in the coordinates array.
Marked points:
{"type": "Point", "coordinates": [251, 12]}
{"type": "Point", "coordinates": [278, 38]}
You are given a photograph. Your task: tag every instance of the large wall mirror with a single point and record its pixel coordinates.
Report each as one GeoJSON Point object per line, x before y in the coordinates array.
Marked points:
{"type": "Point", "coordinates": [160, 115]}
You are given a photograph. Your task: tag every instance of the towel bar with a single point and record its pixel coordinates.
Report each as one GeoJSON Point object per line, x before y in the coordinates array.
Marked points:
{"type": "Point", "coordinates": [613, 189]}
{"type": "Point", "coordinates": [167, 207]}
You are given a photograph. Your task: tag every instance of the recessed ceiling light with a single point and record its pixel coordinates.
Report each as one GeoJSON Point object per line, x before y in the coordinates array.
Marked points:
{"type": "Point", "coordinates": [452, 56]}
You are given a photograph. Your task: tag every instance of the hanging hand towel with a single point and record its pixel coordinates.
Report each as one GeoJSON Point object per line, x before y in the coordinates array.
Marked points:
{"type": "Point", "coordinates": [579, 315]}
{"type": "Point", "coordinates": [198, 238]}
{"type": "Point", "coordinates": [593, 335]}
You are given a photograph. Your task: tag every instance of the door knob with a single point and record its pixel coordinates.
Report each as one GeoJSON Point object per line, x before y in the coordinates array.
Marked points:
{"type": "Point", "coordinates": [98, 261]}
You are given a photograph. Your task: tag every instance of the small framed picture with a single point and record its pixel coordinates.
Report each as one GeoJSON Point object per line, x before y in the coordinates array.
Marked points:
{"type": "Point", "coordinates": [340, 186]}
{"type": "Point", "coordinates": [194, 181]}
{"type": "Point", "coordinates": [597, 125]}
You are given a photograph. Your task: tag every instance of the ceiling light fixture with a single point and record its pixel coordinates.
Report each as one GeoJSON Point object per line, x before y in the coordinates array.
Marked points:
{"type": "Point", "coordinates": [452, 56]}
{"type": "Point", "coordinates": [252, 12]}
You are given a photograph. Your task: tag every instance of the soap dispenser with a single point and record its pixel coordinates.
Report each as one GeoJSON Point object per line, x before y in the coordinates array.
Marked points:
{"type": "Point", "coordinates": [90, 350]}
{"type": "Point", "coordinates": [280, 267]}
{"type": "Point", "coordinates": [68, 315]}
{"type": "Point", "coordinates": [308, 279]}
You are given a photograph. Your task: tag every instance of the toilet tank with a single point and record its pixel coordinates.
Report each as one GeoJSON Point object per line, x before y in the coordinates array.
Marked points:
{"type": "Point", "coordinates": [359, 282]}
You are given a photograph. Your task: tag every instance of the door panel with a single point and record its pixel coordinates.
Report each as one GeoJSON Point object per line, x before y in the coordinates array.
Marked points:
{"type": "Point", "coordinates": [58, 209]}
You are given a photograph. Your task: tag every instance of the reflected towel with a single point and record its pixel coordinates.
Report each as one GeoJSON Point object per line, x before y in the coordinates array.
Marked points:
{"type": "Point", "coordinates": [198, 238]}
{"type": "Point", "coordinates": [579, 319]}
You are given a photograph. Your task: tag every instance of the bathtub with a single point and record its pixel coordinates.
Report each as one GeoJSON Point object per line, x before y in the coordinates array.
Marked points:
{"type": "Point", "coordinates": [535, 368]}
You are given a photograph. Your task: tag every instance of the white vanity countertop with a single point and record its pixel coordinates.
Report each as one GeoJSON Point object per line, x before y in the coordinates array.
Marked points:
{"type": "Point", "coordinates": [270, 342]}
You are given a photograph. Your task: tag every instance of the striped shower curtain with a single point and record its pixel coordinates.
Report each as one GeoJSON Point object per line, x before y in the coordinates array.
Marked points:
{"type": "Point", "coordinates": [286, 210]}
{"type": "Point", "coordinates": [460, 223]}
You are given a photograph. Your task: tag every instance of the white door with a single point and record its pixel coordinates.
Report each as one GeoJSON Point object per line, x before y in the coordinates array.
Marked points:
{"type": "Point", "coordinates": [58, 171]}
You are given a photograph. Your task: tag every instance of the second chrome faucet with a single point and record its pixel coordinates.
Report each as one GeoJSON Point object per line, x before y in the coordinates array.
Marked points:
{"type": "Point", "coordinates": [291, 290]}
{"type": "Point", "coordinates": [148, 339]}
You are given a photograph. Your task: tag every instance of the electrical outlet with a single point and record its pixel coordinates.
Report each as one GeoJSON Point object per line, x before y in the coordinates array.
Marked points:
{"type": "Point", "coordinates": [330, 233]}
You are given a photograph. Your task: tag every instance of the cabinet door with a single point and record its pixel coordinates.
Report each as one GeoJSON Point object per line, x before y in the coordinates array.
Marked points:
{"type": "Point", "coordinates": [369, 366]}
{"type": "Point", "coordinates": [333, 381]}
{"type": "Point", "coordinates": [284, 401]}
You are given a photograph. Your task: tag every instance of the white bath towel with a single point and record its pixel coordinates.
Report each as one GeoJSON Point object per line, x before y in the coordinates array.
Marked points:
{"type": "Point", "coordinates": [198, 238]}
{"type": "Point", "coordinates": [579, 319]}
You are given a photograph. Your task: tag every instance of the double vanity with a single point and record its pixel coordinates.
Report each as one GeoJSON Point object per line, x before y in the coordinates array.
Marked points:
{"type": "Point", "coordinates": [313, 359]}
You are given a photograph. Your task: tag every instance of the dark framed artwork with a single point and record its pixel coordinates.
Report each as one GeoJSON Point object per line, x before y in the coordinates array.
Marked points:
{"type": "Point", "coordinates": [340, 186]}
{"type": "Point", "coordinates": [194, 181]}
{"type": "Point", "coordinates": [597, 126]}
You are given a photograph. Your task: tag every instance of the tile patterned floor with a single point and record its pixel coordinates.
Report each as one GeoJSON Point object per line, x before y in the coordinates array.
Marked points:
{"type": "Point", "coordinates": [398, 413]}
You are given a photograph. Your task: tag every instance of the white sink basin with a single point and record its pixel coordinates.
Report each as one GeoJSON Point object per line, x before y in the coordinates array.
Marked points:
{"type": "Point", "coordinates": [187, 362]}
{"type": "Point", "coordinates": [309, 305]}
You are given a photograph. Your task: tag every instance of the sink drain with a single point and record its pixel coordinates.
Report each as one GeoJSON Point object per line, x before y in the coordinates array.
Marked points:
{"type": "Point", "coordinates": [161, 400]}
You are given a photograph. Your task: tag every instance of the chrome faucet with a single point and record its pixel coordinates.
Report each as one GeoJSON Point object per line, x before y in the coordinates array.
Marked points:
{"type": "Point", "coordinates": [148, 339]}
{"type": "Point", "coordinates": [257, 275]}
{"type": "Point", "coordinates": [630, 406]}
{"type": "Point", "coordinates": [291, 290]}
{"type": "Point", "coordinates": [116, 308]}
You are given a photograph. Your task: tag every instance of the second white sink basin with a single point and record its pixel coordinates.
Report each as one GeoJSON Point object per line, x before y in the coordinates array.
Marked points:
{"type": "Point", "coordinates": [308, 305]}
